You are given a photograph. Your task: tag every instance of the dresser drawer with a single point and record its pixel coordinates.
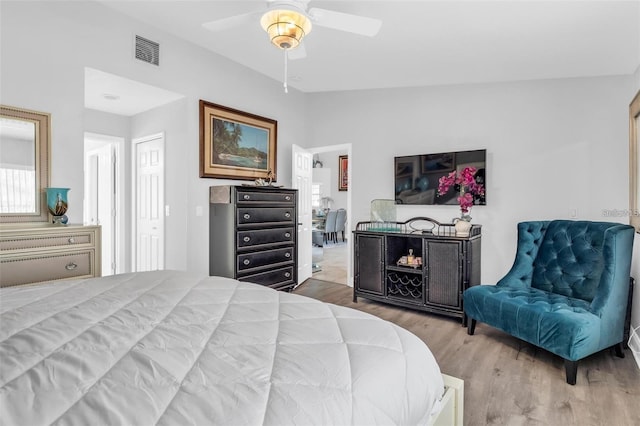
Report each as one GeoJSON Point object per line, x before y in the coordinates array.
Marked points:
{"type": "Point", "coordinates": [259, 216]}
{"type": "Point", "coordinates": [261, 259]}
{"type": "Point", "coordinates": [47, 241]}
{"type": "Point", "coordinates": [274, 278]}
{"type": "Point", "coordinates": [250, 239]}
{"type": "Point", "coordinates": [47, 267]}
{"type": "Point", "coordinates": [265, 196]}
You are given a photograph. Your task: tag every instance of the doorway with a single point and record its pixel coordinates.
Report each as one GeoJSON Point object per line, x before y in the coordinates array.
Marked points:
{"type": "Point", "coordinates": [331, 260]}
{"type": "Point", "coordinates": [104, 196]}
{"type": "Point", "coordinates": [148, 203]}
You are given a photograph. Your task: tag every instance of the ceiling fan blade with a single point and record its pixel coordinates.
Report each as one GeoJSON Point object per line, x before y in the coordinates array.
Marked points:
{"type": "Point", "coordinates": [345, 21]}
{"type": "Point", "coordinates": [231, 22]}
{"type": "Point", "coordinates": [298, 53]}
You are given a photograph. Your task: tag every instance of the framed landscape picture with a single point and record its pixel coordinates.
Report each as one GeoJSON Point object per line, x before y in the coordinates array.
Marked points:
{"type": "Point", "coordinates": [236, 144]}
{"type": "Point", "coordinates": [343, 177]}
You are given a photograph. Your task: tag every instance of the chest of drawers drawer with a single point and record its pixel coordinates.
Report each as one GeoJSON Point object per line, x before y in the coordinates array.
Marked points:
{"type": "Point", "coordinates": [260, 237]}
{"type": "Point", "coordinates": [261, 216]}
{"type": "Point", "coordinates": [276, 278]}
{"type": "Point", "coordinates": [244, 197]}
{"type": "Point", "coordinates": [19, 270]}
{"type": "Point", "coordinates": [266, 258]}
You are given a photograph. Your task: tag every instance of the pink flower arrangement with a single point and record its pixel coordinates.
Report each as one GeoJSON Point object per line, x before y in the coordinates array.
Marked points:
{"type": "Point", "coordinates": [468, 187]}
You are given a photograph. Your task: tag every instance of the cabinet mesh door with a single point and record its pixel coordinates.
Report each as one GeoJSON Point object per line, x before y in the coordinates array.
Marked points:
{"type": "Point", "coordinates": [370, 275]}
{"type": "Point", "coordinates": [444, 273]}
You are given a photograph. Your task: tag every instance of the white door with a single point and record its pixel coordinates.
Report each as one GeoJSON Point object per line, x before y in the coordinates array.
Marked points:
{"type": "Point", "coordinates": [302, 175]}
{"type": "Point", "coordinates": [148, 193]}
{"type": "Point", "coordinates": [100, 200]}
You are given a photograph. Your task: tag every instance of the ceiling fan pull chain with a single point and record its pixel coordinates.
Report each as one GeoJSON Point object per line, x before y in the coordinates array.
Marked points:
{"type": "Point", "coordinates": [285, 71]}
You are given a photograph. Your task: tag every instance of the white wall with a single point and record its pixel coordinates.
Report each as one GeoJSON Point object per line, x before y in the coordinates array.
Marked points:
{"type": "Point", "coordinates": [330, 162]}
{"type": "Point", "coordinates": [170, 119]}
{"type": "Point", "coordinates": [552, 146]}
{"type": "Point", "coordinates": [46, 46]}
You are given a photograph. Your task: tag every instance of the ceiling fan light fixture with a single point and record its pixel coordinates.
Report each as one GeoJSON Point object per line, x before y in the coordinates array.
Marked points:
{"type": "Point", "coordinates": [286, 28]}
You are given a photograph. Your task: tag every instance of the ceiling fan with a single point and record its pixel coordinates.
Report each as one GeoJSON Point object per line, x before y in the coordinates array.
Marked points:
{"type": "Point", "coordinates": [288, 21]}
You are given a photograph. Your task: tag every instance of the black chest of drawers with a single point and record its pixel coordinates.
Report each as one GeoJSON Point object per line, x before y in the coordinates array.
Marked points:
{"type": "Point", "coordinates": [253, 235]}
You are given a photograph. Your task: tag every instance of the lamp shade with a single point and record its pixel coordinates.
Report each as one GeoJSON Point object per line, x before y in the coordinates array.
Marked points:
{"type": "Point", "coordinates": [286, 28]}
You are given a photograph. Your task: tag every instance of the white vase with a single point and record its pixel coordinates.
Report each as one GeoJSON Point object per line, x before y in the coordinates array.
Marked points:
{"type": "Point", "coordinates": [463, 228]}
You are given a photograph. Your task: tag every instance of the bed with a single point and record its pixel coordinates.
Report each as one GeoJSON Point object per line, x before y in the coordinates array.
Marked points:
{"type": "Point", "coordinates": [172, 347]}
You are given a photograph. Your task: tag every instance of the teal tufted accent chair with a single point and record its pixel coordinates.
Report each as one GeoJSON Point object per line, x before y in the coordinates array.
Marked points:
{"type": "Point", "coordinates": [567, 291]}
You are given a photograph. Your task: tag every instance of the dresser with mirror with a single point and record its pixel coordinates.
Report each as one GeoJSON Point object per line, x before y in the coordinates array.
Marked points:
{"type": "Point", "coordinates": [32, 249]}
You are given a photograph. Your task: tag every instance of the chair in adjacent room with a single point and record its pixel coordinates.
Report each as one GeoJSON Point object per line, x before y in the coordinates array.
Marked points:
{"type": "Point", "coordinates": [330, 226]}
{"type": "Point", "coordinates": [341, 221]}
{"type": "Point", "coordinates": [567, 291]}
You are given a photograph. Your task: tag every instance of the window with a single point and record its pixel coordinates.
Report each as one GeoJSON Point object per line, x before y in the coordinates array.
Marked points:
{"type": "Point", "coordinates": [16, 190]}
{"type": "Point", "coordinates": [316, 194]}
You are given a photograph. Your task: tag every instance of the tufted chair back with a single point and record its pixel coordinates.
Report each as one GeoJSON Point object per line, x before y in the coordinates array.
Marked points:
{"type": "Point", "coordinates": [570, 260]}
{"type": "Point", "coordinates": [566, 257]}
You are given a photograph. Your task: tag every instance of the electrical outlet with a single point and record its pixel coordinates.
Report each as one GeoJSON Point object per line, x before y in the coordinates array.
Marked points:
{"type": "Point", "coordinates": [199, 211]}
{"type": "Point", "coordinates": [573, 213]}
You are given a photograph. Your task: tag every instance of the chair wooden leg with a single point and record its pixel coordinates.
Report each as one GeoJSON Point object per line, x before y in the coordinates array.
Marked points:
{"type": "Point", "coordinates": [471, 326]}
{"type": "Point", "coordinates": [571, 369]}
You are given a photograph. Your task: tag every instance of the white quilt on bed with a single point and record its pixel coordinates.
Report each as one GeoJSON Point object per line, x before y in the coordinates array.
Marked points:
{"type": "Point", "coordinates": [175, 348]}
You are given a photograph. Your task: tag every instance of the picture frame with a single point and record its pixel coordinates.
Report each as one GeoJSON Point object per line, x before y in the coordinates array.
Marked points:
{"type": "Point", "coordinates": [34, 128]}
{"type": "Point", "coordinates": [403, 168]}
{"type": "Point", "coordinates": [343, 176]}
{"type": "Point", "coordinates": [236, 145]}
{"type": "Point", "coordinates": [438, 163]}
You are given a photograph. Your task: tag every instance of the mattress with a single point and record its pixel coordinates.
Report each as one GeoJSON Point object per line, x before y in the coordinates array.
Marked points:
{"type": "Point", "coordinates": [171, 347]}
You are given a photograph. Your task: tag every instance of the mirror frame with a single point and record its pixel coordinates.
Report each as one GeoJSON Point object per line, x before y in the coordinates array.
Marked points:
{"type": "Point", "coordinates": [42, 122]}
{"type": "Point", "coordinates": [634, 167]}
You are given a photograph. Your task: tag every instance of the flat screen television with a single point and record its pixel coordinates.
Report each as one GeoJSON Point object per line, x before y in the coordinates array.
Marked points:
{"type": "Point", "coordinates": [417, 176]}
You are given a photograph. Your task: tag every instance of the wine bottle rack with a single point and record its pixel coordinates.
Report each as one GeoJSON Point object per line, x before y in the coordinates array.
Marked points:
{"type": "Point", "coordinates": [406, 286]}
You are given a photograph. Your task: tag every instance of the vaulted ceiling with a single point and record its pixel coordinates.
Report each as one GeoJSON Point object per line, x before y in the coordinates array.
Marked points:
{"type": "Point", "coordinates": [421, 43]}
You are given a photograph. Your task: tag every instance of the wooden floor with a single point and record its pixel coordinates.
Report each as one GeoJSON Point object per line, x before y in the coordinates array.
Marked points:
{"type": "Point", "coordinates": [507, 381]}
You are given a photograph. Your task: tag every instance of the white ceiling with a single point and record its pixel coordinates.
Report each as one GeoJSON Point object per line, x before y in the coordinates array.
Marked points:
{"type": "Point", "coordinates": [421, 42]}
{"type": "Point", "coordinates": [117, 95]}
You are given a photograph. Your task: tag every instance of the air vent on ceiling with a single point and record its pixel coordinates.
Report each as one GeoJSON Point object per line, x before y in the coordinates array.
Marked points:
{"type": "Point", "coordinates": [147, 50]}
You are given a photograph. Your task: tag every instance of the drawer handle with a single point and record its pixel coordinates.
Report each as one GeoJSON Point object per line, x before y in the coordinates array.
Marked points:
{"type": "Point", "coordinates": [247, 216]}
{"type": "Point", "coordinates": [287, 234]}
{"type": "Point", "coordinates": [246, 262]}
{"type": "Point", "coordinates": [72, 240]}
{"type": "Point", "coordinates": [287, 215]}
{"type": "Point", "coordinates": [246, 239]}
{"type": "Point", "coordinates": [71, 266]}
{"type": "Point", "coordinates": [288, 197]}
{"type": "Point", "coordinates": [287, 254]}
{"type": "Point", "coordinates": [287, 274]}
{"type": "Point", "coordinates": [246, 196]}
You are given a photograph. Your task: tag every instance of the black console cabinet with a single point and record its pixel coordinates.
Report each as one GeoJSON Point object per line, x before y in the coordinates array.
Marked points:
{"type": "Point", "coordinates": [253, 235]}
{"type": "Point", "coordinates": [448, 264]}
